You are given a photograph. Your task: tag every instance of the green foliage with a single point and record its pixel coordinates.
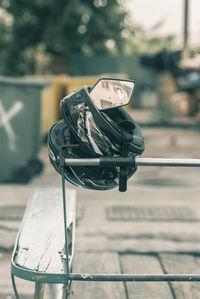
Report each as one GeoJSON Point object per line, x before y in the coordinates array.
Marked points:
{"type": "Point", "coordinates": [55, 28]}
{"type": "Point", "coordinates": [151, 41]}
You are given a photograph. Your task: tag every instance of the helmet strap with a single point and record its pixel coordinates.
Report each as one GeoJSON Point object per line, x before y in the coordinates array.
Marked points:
{"type": "Point", "coordinates": [65, 147]}
{"type": "Point", "coordinates": [62, 157]}
{"type": "Point", "coordinates": [123, 173]}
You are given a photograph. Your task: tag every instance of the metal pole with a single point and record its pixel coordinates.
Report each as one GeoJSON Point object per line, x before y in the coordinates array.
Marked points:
{"type": "Point", "coordinates": [83, 162]}
{"type": "Point", "coordinates": [167, 162]}
{"type": "Point", "coordinates": [140, 162]}
{"type": "Point", "coordinates": [134, 277]}
{"type": "Point", "coordinates": [50, 291]}
{"type": "Point", "coordinates": [65, 232]}
{"type": "Point", "coordinates": [186, 13]}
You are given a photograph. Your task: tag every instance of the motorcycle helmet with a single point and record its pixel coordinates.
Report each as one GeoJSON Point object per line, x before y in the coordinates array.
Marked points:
{"type": "Point", "coordinates": [87, 132]}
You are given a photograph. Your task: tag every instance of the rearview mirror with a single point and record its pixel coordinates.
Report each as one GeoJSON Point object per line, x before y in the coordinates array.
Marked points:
{"type": "Point", "coordinates": [111, 93]}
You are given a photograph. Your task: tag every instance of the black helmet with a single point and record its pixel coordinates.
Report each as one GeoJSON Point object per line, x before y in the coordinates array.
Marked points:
{"type": "Point", "coordinates": [89, 133]}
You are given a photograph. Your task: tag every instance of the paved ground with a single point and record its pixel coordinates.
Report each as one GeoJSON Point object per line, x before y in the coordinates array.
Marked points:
{"type": "Point", "coordinates": [152, 228]}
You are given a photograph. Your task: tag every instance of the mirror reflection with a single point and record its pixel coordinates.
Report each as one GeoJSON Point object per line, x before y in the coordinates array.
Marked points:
{"type": "Point", "coordinates": [109, 93]}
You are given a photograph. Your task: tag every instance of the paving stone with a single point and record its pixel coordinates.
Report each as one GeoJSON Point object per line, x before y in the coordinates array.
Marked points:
{"type": "Point", "coordinates": [11, 212]}
{"type": "Point", "coordinates": [151, 213]}
{"type": "Point", "coordinates": [97, 263]}
{"type": "Point", "coordinates": [144, 264]}
{"type": "Point", "coordinates": [25, 288]}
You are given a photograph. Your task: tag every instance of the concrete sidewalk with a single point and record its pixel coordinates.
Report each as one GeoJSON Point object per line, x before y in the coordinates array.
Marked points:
{"type": "Point", "coordinates": [159, 214]}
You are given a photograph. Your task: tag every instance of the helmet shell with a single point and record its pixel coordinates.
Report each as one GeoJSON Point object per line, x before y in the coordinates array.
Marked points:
{"type": "Point", "coordinates": [86, 132]}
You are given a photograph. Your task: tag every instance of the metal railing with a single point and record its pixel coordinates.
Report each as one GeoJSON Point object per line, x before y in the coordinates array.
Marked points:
{"type": "Point", "coordinates": [138, 161]}
{"type": "Point", "coordinates": [68, 277]}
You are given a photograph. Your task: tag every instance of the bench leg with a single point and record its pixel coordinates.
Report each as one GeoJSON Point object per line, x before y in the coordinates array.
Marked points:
{"type": "Point", "coordinates": [50, 291]}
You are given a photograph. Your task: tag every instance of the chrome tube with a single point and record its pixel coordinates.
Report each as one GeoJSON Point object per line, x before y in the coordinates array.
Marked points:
{"type": "Point", "coordinates": [50, 291]}
{"type": "Point", "coordinates": [168, 162]}
{"type": "Point", "coordinates": [83, 162]}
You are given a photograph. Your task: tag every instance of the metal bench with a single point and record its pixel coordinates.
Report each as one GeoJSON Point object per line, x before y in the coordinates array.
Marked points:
{"type": "Point", "coordinates": [39, 253]}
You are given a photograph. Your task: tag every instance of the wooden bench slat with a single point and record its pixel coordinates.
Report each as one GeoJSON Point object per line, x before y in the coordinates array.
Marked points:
{"type": "Point", "coordinates": [41, 237]}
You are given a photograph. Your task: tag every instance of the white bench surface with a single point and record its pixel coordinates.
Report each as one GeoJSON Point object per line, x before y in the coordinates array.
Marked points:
{"type": "Point", "coordinates": [41, 241]}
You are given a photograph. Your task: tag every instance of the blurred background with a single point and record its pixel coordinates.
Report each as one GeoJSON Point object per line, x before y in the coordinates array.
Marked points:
{"type": "Point", "coordinates": [47, 50]}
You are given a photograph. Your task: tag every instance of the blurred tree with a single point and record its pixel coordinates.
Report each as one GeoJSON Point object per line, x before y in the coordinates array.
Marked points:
{"type": "Point", "coordinates": [30, 30]}
{"type": "Point", "coordinates": [151, 41]}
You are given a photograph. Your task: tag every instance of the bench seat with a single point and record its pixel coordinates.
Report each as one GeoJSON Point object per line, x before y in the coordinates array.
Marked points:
{"type": "Point", "coordinates": [40, 241]}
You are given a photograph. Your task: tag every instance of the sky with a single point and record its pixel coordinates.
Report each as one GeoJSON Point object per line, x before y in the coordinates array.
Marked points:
{"type": "Point", "coordinates": [149, 12]}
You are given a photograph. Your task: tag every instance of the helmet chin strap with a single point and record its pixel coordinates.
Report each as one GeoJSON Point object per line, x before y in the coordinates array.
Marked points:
{"type": "Point", "coordinates": [123, 173]}
{"type": "Point", "coordinates": [67, 146]}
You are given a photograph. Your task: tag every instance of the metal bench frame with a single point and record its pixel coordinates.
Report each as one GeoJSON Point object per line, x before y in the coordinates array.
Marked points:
{"type": "Point", "coordinates": [69, 276]}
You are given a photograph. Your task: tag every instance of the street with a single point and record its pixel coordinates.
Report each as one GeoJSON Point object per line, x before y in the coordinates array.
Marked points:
{"type": "Point", "coordinates": [151, 228]}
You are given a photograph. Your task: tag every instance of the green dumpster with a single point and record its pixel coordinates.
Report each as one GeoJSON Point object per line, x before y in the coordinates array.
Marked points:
{"type": "Point", "coordinates": [20, 137]}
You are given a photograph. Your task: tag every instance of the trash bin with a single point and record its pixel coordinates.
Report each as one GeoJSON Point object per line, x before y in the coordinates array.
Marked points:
{"type": "Point", "coordinates": [51, 97]}
{"type": "Point", "coordinates": [20, 136]}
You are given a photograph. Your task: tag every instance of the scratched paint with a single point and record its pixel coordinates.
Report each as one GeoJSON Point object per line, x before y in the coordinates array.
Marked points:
{"type": "Point", "coordinates": [5, 122]}
{"type": "Point", "coordinates": [40, 277]}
